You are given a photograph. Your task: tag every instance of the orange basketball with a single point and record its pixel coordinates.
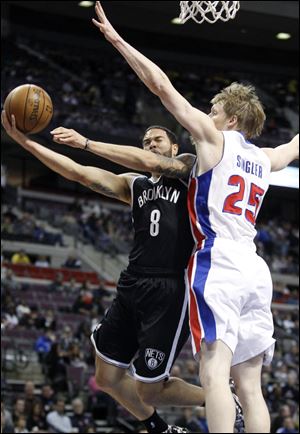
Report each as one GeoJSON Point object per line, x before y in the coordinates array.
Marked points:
{"type": "Point", "coordinates": [31, 106]}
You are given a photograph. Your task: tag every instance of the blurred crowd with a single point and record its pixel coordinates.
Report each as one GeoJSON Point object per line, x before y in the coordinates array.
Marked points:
{"type": "Point", "coordinates": [110, 231]}
{"type": "Point", "coordinates": [107, 98]}
{"type": "Point", "coordinates": [59, 336]}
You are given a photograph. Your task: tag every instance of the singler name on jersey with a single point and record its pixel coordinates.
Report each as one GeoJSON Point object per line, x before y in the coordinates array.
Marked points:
{"type": "Point", "coordinates": [158, 192]}
{"type": "Point", "coordinates": [249, 166]}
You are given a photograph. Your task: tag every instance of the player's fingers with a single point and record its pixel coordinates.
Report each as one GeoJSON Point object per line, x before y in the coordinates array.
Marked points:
{"type": "Point", "coordinates": [58, 130]}
{"type": "Point", "coordinates": [61, 139]}
{"type": "Point", "coordinates": [63, 135]}
{"type": "Point", "coordinates": [97, 24]}
{"type": "Point", "coordinates": [100, 11]}
{"type": "Point", "coordinates": [13, 122]}
{"type": "Point", "coordinates": [4, 119]}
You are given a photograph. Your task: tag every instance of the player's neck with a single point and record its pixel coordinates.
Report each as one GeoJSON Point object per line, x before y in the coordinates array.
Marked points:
{"type": "Point", "coordinates": [155, 176]}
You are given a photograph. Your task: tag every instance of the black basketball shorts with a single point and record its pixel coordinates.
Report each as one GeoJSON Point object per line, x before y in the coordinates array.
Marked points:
{"type": "Point", "coordinates": [145, 327]}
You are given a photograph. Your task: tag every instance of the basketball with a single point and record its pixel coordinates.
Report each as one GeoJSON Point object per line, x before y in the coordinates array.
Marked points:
{"type": "Point", "coordinates": [31, 106]}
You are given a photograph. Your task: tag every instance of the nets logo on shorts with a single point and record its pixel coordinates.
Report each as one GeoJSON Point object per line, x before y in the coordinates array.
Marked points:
{"type": "Point", "coordinates": [154, 358]}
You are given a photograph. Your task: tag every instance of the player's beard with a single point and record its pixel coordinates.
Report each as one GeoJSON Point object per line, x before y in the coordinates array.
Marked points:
{"type": "Point", "coordinates": [168, 153]}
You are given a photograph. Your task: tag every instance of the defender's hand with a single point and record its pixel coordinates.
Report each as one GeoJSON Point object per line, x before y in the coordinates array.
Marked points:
{"type": "Point", "coordinates": [11, 129]}
{"type": "Point", "coordinates": [104, 25]}
{"type": "Point", "coordinates": [68, 137]}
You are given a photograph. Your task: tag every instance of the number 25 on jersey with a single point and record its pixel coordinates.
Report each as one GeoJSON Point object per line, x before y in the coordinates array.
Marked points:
{"type": "Point", "coordinates": [254, 198]}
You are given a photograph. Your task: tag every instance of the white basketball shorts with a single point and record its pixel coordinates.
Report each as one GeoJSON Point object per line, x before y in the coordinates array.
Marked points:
{"type": "Point", "coordinates": [230, 294]}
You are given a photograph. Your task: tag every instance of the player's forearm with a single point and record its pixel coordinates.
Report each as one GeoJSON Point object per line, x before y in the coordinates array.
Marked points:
{"type": "Point", "coordinates": [128, 156]}
{"type": "Point", "coordinates": [287, 153]}
{"type": "Point", "coordinates": [150, 74]}
{"type": "Point", "coordinates": [139, 159]}
{"type": "Point", "coordinates": [295, 147]}
{"type": "Point", "coordinates": [60, 164]}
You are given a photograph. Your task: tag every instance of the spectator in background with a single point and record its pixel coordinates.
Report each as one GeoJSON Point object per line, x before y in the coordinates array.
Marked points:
{"type": "Point", "coordinates": [72, 286]}
{"type": "Point", "coordinates": [20, 425]}
{"type": "Point", "coordinates": [49, 320]}
{"type": "Point", "coordinates": [37, 419]}
{"type": "Point", "coordinates": [83, 303]}
{"type": "Point", "coordinates": [102, 405]}
{"type": "Point", "coordinates": [55, 363]}
{"type": "Point", "coordinates": [47, 397]}
{"type": "Point", "coordinates": [288, 426]}
{"type": "Point", "coordinates": [7, 227]}
{"type": "Point", "coordinates": [10, 319]}
{"type": "Point", "coordinates": [66, 338]}
{"type": "Point", "coordinates": [201, 418]}
{"type": "Point", "coordinates": [284, 411]}
{"type": "Point", "coordinates": [18, 409]}
{"type": "Point", "coordinates": [76, 357]}
{"type": "Point", "coordinates": [188, 420]}
{"type": "Point", "coordinates": [58, 284]}
{"type": "Point", "coordinates": [57, 420]}
{"type": "Point", "coordinates": [23, 312]}
{"type": "Point", "coordinates": [191, 375]}
{"type": "Point", "coordinates": [9, 280]}
{"type": "Point", "coordinates": [20, 257]}
{"type": "Point", "coordinates": [100, 296]}
{"type": "Point", "coordinates": [72, 262]}
{"type": "Point", "coordinates": [42, 261]}
{"type": "Point", "coordinates": [29, 396]}
{"type": "Point", "coordinates": [34, 319]}
{"type": "Point", "coordinates": [43, 345]}
{"type": "Point", "coordinates": [6, 420]}
{"type": "Point", "coordinates": [24, 227]}
{"type": "Point", "coordinates": [41, 235]}
{"type": "Point", "coordinates": [80, 419]}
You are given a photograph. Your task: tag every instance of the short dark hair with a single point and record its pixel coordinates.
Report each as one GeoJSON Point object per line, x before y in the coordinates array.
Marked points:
{"type": "Point", "coordinates": [172, 136]}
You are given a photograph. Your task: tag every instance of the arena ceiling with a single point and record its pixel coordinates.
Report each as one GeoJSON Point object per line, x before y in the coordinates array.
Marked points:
{"type": "Point", "coordinates": [255, 25]}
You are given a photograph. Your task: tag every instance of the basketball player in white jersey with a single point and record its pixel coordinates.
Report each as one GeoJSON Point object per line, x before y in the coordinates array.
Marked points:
{"type": "Point", "coordinates": [230, 285]}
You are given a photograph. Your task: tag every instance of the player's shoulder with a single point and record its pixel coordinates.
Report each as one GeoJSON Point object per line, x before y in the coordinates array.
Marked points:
{"type": "Point", "coordinates": [186, 157]}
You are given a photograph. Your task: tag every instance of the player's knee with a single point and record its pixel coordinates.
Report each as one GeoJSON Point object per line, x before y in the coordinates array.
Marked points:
{"type": "Point", "coordinates": [105, 383]}
{"type": "Point", "coordinates": [210, 378]}
{"type": "Point", "coordinates": [107, 379]}
{"type": "Point", "coordinates": [149, 393]}
{"type": "Point", "coordinates": [248, 391]}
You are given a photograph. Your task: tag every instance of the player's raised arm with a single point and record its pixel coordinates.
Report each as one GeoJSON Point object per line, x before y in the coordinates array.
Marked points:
{"type": "Point", "coordinates": [101, 181]}
{"type": "Point", "coordinates": [128, 156]}
{"type": "Point", "coordinates": [283, 155]}
{"type": "Point", "coordinates": [195, 121]}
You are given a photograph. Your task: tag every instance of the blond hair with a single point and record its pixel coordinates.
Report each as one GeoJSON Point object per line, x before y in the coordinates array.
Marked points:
{"type": "Point", "coordinates": [241, 100]}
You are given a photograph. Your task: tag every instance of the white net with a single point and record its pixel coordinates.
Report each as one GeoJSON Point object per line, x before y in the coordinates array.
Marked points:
{"type": "Point", "coordinates": [208, 11]}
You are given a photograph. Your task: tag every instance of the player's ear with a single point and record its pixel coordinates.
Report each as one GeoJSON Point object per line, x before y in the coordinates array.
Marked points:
{"type": "Point", "coordinates": [175, 148]}
{"type": "Point", "coordinates": [232, 121]}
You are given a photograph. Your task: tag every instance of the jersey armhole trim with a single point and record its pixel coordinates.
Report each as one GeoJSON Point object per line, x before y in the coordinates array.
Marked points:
{"type": "Point", "coordinates": [131, 188]}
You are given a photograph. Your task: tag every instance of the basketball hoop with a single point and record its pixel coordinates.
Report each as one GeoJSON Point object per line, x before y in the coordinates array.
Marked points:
{"type": "Point", "coordinates": [208, 11]}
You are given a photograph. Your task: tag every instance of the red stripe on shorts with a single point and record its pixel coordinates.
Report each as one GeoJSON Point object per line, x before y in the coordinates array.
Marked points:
{"type": "Point", "coordinates": [194, 320]}
{"type": "Point", "coordinates": [198, 237]}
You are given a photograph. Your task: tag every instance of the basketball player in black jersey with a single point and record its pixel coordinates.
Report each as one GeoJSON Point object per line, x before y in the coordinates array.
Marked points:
{"type": "Point", "coordinates": [147, 324]}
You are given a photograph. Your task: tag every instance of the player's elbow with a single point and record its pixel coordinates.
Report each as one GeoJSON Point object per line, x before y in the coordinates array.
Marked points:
{"type": "Point", "coordinates": [160, 85]}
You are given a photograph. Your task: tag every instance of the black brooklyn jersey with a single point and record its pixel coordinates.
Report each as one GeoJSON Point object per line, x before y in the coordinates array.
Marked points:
{"type": "Point", "coordinates": [163, 242]}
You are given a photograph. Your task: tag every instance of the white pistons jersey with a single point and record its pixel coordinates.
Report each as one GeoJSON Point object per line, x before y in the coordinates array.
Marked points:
{"type": "Point", "coordinates": [224, 202]}
{"type": "Point", "coordinates": [230, 286]}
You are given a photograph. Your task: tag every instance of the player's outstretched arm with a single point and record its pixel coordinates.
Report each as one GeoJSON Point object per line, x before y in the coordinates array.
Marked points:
{"type": "Point", "coordinates": [102, 181]}
{"type": "Point", "coordinates": [128, 156]}
{"type": "Point", "coordinates": [283, 155]}
{"type": "Point", "coordinates": [195, 121]}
